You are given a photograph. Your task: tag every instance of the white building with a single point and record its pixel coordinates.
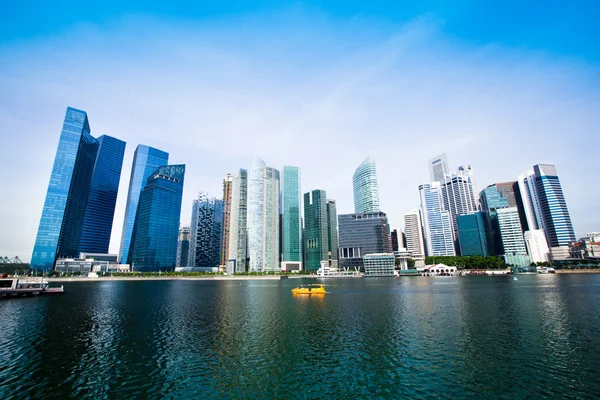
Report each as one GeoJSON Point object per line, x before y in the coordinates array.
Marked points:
{"type": "Point", "coordinates": [263, 218]}
{"type": "Point", "coordinates": [238, 222]}
{"type": "Point", "coordinates": [413, 229]}
{"type": "Point", "coordinates": [531, 204]}
{"type": "Point", "coordinates": [379, 264]}
{"type": "Point", "coordinates": [510, 230]}
{"type": "Point", "coordinates": [438, 168]}
{"type": "Point", "coordinates": [366, 188]}
{"type": "Point", "coordinates": [459, 194]}
{"type": "Point", "coordinates": [437, 223]}
{"type": "Point", "coordinates": [537, 246]}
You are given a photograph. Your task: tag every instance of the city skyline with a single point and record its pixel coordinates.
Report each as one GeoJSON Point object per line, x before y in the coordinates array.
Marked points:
{"type": "Point", "coordinates": [500, 105]}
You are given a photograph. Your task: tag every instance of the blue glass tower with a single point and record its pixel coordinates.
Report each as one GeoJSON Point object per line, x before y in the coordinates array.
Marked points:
{"type": "Point", "coordinates": [472, 235]}
{"type": "Point", "coordinates": [66, 199]}
{"type": "Point", "coordinates": [145, 161]}
{"type": "Point", "coordinates": [100, 210]}
{"type": "Point", "coordinates": [154, 245]}
{"type": "Point", "coordinates": [557, 221]}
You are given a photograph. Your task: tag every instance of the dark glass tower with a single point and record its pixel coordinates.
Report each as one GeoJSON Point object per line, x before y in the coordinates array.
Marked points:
{"type": "Point", "coordinates": [206, 232]}
{"type": "Point", "coordinates": [100, 210]}
{"type": "Point", "coordinates": [316, 246]}
{"type": "Point", "coordinates": [61, 224]}
{"type": "Point", "coordinates": [472, 235]}
{"type": "Point", "coordinates": [145, 161]}
{"type": "Point", "coordinates": [557, 221]}
{"type": "Point", "coordinates": [154, 245]}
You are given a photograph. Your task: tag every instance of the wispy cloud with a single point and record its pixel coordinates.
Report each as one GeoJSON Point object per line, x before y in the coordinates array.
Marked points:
{"type": "Point", "coordinates": [302, 89]}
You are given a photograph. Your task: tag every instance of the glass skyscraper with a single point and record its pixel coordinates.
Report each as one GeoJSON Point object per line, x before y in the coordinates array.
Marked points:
{"type": "Point", "coordinates": [316, 237]}
{"type": "Point", "coordinates": [472, 235]}
{"type": "Point", "coordinates": [78, 166]}
{"type": "Point", "coordinates": [362, 234]}
{"type": "Point", "coordinates": [332, 230]}
{"type": "Point", "coordinates": [238, 253]}
{"type": "Point", "coordinates": [145, 161]}
{"type": "Point", "coordinates": [263, 217]}
{"type": "Point", "coordinates": [366, 188]}
{"type": "Point", "coordinates": [553, 207]}
{"type": "Point", "coordinates": [154, 245]}
{"type": "Point", "coordinates": [292, 228]}
{"type": "Point", "coordinates": [100, 210]}
{"type": "Point", "coordinates": [437, 223]}
{"type": "Point", "coordinates": [207, 230]}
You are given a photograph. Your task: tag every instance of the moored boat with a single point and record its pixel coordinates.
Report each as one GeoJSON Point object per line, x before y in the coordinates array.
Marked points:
{"type": "Point", "coordinates": [16, 287]}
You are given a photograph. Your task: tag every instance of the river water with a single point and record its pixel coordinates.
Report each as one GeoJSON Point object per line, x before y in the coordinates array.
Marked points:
{"type": "Point", "coordinates": [446, 337]}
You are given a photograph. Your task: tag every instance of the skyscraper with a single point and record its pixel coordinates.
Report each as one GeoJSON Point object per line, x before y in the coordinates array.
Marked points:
{"type": "Point", "coordinates": [183, 246]}
{"type": "Point", "coordinates": [362, 234]}
{"type": "Point", "coordinates": [316, 235]}
{"type": "Point", "coordinates": [263, 218]}
{"type": "Point", "coordinates": [472, 235]}
{"type": "Point", "coordinates": [154, 245]}
{"type": "Point", "coordinates": [537, 247]}
{"type": "Point", "coordinates": [366, 188]}
{"type": "Point", "coordinates": [459, 195]}
{"type": "Point", "coordinates": [227, 188]}
{"type": "Point", "coordinates": [237, 231]}
{"type": "Point", "coordinates": [78, 166]}
{"type": "Point", "coordinates": [145, 162]}
{"type": "Point", "coordinates": [438, 168]}
{"type": "Point", "coordinates": [511, 233]}
{"type": "Point", "coordinates": [292, 226]}
{"type": "Point", "coordinates": [332, 232]}
{"type": "Point", "coordinates": [413, 228]}
{"type": "Point", "coordinates": [100, 210]}
{"type": "Point", "coordinates": [437, 223]}
{"type": "Point", "coordinates": [553, 207]}
{"type": "Point", "coordinates": [206, 230]}
{"type": "Point", "coordinates": [531, 204]}
{"type": "Point", "coordinates": [394, 240]}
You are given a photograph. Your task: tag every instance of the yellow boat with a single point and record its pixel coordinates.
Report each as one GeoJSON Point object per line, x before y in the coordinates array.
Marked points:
{"type": "Point", "coordinates": [309, 289]}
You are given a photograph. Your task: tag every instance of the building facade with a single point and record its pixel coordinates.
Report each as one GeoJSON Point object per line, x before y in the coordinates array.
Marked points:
{"type": "Point", "coordinates": [366, 188]}
{"type": "Point", "coordinates": [145, 162]}
{"type": "Point", "coordinates": [237, 260]}
{"type": "Point", "coordinates": [438, 168]}
{"type": "Point", "coordinates": [379, 264]}
{"type": "Point", "coordinates": [292, 219]}
{"type": "Point", "coordinates": [553, 206]}
{"type": "Point", "coordinates": [82, 190]}
{"type": "Point", "coordinates": [332, 232]}
{"type": "Point", "coordinates": [413, 229]}
{"type": "Point", "coordinates": [263, 218]}
{"type": "Point", "coordinates": [183, 246]}
{"type": "Point", "coordinates": [154, 243]}
{"type": "Point", "coordinates": [537, 247]}
{"type": "Point", "coordinates": [362, 234]}
{"type": "Point", "coordinates": [100, 210]}
{"type": "Point", "coordinates": [511, 234]}
{"type": "Point", "coordinates": [472, 235]}
{"type": "Point", "coordinates": [316, 237]}
{"type": "Point", "coordinates": [227, 189]}
{"type": "Point", "coordinates": [437, 223]}
{"type": "Point", "coordinates": [206, 230]}
{"type": "Point", "coordinates": [530, 199]}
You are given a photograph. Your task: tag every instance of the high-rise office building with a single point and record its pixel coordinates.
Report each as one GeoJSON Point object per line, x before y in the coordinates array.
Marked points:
{"type": "Point", "coordinates": [537, 247]}
{"type": "Point", "coordinates": [332, 232]}
{"type": "Point", "coordinates": [78, 167]}
{"type": "Point", "coordinates": [366, 188]}
{"type": "Point", "coordinates": [511, 235]}
{"type": "Point", "coordinates": [437, 223]}
{"type": "Point", "coordinates": [145, 161]}
{"type": "Point", "coordinates": [361, 234]}
{"type": "Point", "coordinates": [316, 237]}
{"type": "Point", "coordinates": [292, 225]}
{"type": "Point", "coordinates": [183, 246]}
{"type": "Point", "coordinates": [394, 238]}
{"type": "Point", "coordinates": [531, 204]}
{"type": "Point", "coordinates": [413, 229]}
{"type": "Point", "coordinates": [263, 218]}
{"type": "Point", "coordinates": [472, 235]}
{"type": "Point", "coordinates": [238, 255]}
{"type": "Point", "coordinates": [438, 168]}
{"type": "Point", "coordinates": [206, 230]}
{"type": "Point", "coordinates": [553, 207]}
{"type": "Point", "coordinates": [154, 244]}
{"type": "Point", "coordinates": [227, 189]}
{"type": "Point", "coordinates": [100, 210]}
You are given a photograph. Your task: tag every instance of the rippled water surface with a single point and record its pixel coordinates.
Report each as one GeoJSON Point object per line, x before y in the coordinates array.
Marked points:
{"type": "Point", "coordinates": [476, 337]}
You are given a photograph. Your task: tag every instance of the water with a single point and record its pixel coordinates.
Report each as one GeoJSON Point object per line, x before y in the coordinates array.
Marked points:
{"type": "Point", "coordinates": [475, 337]}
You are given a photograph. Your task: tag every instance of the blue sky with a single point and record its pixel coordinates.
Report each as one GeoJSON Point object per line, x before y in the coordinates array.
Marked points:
{"type": "Point", "coordinates": [498, 85]}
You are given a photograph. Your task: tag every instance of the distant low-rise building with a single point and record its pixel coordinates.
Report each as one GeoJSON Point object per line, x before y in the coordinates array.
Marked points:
{"type": "Point", "coordinates": [379, 264]}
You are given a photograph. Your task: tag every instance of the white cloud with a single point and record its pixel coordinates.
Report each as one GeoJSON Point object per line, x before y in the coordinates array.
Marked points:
{"type": "Point", "coordinates": [296, 89]}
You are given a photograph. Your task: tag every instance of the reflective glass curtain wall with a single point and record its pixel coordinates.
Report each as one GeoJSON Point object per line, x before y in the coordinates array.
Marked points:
{"type": "Point", "coordinates": [292, 229]}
